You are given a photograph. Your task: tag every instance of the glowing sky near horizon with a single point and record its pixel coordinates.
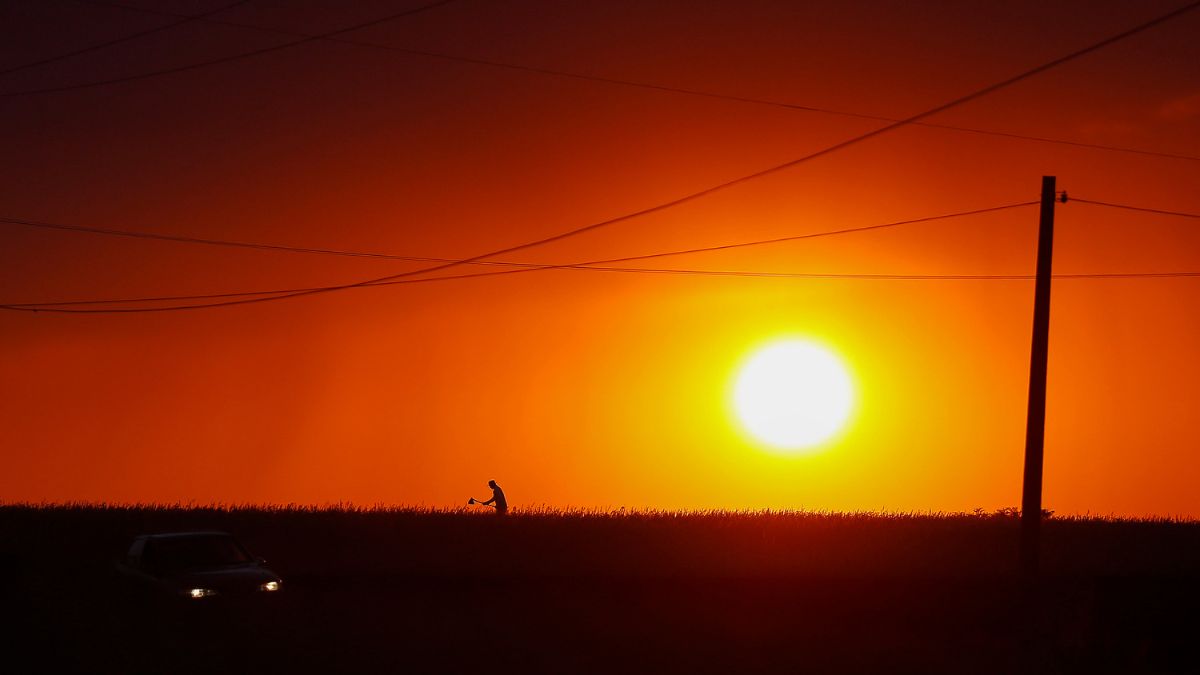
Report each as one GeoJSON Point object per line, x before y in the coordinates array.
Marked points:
{"type": "Point", "coordinates": [576, 388]}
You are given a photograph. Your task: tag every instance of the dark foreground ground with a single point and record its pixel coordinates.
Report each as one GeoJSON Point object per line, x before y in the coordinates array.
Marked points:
{"type": "Point", "coordinates": [412, 592]}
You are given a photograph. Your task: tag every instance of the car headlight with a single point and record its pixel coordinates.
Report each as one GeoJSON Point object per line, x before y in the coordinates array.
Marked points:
{"type": "Point", "coordinates": [271, 586]}
{"type": "Point", "coordinates": [199, 593]}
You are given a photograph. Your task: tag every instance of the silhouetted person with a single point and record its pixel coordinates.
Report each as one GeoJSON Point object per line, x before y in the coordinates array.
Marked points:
{"type": "Point", "coordinates": [497, 501]}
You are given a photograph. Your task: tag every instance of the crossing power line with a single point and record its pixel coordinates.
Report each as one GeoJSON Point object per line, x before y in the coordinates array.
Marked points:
{"type": "Point", "coordinates": [60, 307]}
{"type": "Point", "coordinates": [647, 85]}
{"type": "Point", "coordinates": [409, 258]}
{"type": "Point", "coordinates": [224, 59]}
{"type": "Point", "coordinates": [754, 274]}
{"type": "Point", "coordinates": [184, 18]}
{"type": "Point", "coordinates": [663, 206]}
{"type": "Point", "coordinates": [515, 267]}
{"type": "Point", "coordinates": [85, 306]}
{"type": "Point", "coordinates": [387, 256]}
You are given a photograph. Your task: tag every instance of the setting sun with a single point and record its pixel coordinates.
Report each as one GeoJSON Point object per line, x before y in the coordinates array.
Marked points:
{"type": "Point", "coordinates": [793, 395]}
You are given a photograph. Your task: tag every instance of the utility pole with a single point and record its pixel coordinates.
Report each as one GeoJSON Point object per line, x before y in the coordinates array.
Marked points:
{"type": "Point", "coordinates": [1035, 425]}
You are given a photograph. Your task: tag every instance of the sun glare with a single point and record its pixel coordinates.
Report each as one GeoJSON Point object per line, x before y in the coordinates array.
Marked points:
{"type": "Point", "coordinates": [793, 395]}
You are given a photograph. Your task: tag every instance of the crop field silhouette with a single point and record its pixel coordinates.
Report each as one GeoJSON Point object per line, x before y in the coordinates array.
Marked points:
{"type": "Point", "coordinates": [545, 591]}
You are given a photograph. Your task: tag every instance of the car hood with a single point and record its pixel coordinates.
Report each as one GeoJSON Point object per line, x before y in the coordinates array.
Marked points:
{"type": "Point", "coordinates": [226, 579]}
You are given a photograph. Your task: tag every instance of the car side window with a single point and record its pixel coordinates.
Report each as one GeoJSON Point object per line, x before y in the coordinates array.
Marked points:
{"type": "Point", "coordinates": [134, 557]}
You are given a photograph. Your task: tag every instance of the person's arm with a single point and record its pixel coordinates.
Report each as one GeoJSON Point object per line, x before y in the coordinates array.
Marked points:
{"type": "Point", "coordinates": [488, 502]}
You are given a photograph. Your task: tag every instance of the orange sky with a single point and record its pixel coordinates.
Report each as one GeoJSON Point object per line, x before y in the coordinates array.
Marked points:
{"type": "Point", "coordinates": [575, 388]}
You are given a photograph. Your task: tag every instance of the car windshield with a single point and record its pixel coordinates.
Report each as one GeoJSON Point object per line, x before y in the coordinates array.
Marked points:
{"type": "Point", "coordinates": [182, 553]}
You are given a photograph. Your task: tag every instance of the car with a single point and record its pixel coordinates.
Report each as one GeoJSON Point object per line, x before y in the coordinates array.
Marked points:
{"type": "Point", "coordinates": [197, 567]}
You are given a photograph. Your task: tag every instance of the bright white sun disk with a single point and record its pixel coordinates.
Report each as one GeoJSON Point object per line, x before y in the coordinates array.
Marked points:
{"type": "Point", "coordinates": [793, 394]}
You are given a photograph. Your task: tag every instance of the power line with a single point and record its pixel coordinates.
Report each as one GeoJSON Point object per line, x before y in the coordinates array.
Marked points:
{"type": "Point", "coordinates": [729, 183]}
{"type": "Point", "coordinates": [56, 307]}
{"type": "Point", "coordinates": [1142, 209]}
{"type": "Point", "coordinates": [658, 87]}
{"type": "Point", "coordinates": [185, 18]}
{"type": "Point", "coordinates": [387, 256]}
{"type": "Point", "coordinates": [71, 307]}
{"type": "Point", "coordinates": [595, 265]}
{"type": "Point", "coordinates": [798, 237]}
{"type": "Point", "coordinates": [875, 277]}
{"type": "Point", "coordinates": [721, 186]}
{"type": "Point", "coordinates": [518, 266]}
{"type": "Point", "coordinates": [225, 59]}
{"type": "Point", "coordinates": [211, 242]}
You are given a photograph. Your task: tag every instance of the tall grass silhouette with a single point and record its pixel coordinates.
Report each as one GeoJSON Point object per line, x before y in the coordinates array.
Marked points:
{"type": "Point", "coordinates": [388, 589]}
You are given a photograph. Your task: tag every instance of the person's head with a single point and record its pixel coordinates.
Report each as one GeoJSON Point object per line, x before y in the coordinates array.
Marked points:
{"type": "Point", "coordinates": [492, 484]}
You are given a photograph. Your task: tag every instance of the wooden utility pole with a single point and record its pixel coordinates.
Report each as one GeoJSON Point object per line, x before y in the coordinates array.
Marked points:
{"type": "Point", "coordinates": [1035, 425]}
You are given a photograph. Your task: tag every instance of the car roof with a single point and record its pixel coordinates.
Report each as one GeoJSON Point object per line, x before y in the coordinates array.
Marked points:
{"type": "Point", "coordinates": [185, 535]}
